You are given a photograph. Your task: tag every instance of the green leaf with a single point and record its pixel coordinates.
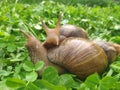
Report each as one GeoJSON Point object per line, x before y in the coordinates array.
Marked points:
{"type": "Point", "coordinates": [3, 45]}
{"type": "Point", "coordinates": [21, 88]}
{"type": "Point", "coordinates": [92, 80]}
{"type": "Point", "coordinates": [50, 74]}
{"type": "Point", "coordinates": [2, 53]}
{"type": "Point", "coordinates": [31, 86]}
{"type": "Point", "coordinates": [117, 86]}
{"type": "Point", "coordinates": [32, 76]}
{"type": "Point", "coordinates": [18, 68]}
{"type": "Point", "coordinates": [107, 83]}
{"type": "Point", "coordinates": [39, 65]}
{"type": "Point", "coordinates": [115, 39]}
{"type": "Point", "coordinates": [15, 60]}
{"type": "Point", "coordinates": [2, 33]}
{"type": "Point", "coordinates": [3, 86]}
{"type": "Point", "coordinates": [11, 47]}
{"type": "Point", "coordinates": [28, 66]}
{"type": "Point", "coordinates": [37, 26]}
{"type": "Point", "coordinates": [115, 67]}
{"type": "Point", "coordinates": [66, 80]}
{"type": "Point", "coordinates": [13, 83]}
{"type": "Point", "coordinates": [82, 87]}
{"type": "Point", "coordinates": [46, 85]}
{"type": "Point", "coordinates": [5, 73]}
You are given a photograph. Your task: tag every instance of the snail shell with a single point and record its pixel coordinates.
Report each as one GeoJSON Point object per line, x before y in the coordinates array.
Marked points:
{"type": "Point", "coordinates": [79, 56]}
{"type": "Point", "coordinates": [72, 31]}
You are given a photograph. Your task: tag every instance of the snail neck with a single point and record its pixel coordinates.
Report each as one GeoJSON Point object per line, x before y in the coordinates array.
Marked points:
{"type": "Point", "coordinates": [37, 51]}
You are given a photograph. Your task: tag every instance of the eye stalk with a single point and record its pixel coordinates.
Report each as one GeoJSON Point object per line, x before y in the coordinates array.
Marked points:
{"type": "Point", "coordinates": [25, 34]}
{"type": "Point", "coordinates": [52, 34]}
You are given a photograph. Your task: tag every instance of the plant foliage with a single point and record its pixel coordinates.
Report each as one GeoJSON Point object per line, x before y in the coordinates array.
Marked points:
{"type": "Point", "coordinates": [17, 72]}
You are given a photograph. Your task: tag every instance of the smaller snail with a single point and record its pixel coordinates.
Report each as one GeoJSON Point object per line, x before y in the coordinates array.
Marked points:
{"type": "Point", "coordinates": [59, 33]}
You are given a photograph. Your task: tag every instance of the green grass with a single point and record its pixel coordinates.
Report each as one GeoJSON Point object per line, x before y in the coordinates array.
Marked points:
{"type": "Point", "coordinates": [16, 69]}
{"type": "Point", "coordinates": [102, 3]}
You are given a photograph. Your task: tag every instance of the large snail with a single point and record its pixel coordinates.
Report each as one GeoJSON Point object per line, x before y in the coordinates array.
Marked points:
{"type": "Point", "coordinates": [70, 52]}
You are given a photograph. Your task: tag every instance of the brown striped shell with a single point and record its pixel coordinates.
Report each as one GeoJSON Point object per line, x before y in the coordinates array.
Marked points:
{"type": "Point", "coordinates": [79, 56]}
{"type": "Point", "coordinates": [112, 50]}
{"type": "Point", "coordinates": [72, 31]}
